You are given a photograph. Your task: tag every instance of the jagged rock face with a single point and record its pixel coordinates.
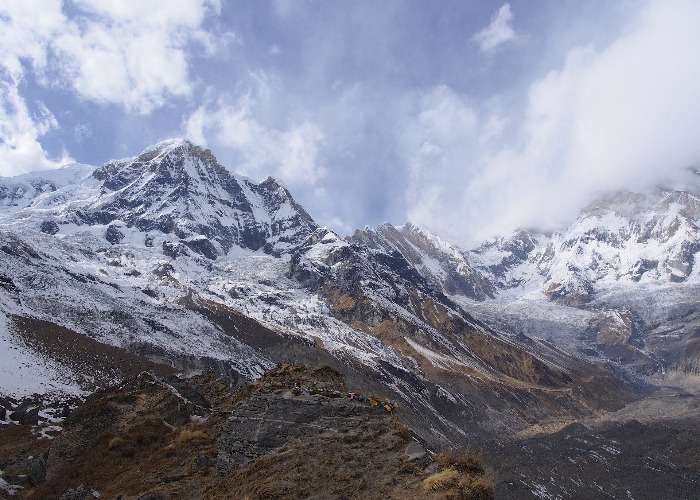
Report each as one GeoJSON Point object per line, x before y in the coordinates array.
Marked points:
{"type": "Point", "coordinates": [384, 295]}
{"type": "Point", "coordinates": [175, 188]}
{"type": "Point", "coordinates": [182, 189]}
{"type": "Point", "coordinates": [445, 266]}
{"type": "Point", "coordinates": [330, 265]}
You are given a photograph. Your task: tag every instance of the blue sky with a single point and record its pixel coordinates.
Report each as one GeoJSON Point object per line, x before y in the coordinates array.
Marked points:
{"type": "Point", "coordinates": [466, 117]}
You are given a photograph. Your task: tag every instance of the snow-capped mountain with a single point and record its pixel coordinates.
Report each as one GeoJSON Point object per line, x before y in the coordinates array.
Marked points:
{"type": "Point", "coordinates": [629, 238]}
{"type": "Point", "coordinates": [629, 263]}
{"type": "Point", "coordinates": [167, 261]}
{"type": "Point", "coordinates": [175, 189]}
{"type": "Point", "coordinates": [168, 258]}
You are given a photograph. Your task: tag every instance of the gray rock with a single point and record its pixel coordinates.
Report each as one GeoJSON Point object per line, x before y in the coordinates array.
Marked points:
{"type": "Point", "coordinates": [49, 227]}
{"type": "Point", "coordinates": [266, 422]}
{"type": "Point", "coordinates": [415, 451]}
{"type": "Point", "coordinates": [82, 492]}
{"type": "Point", "coordinates": [113, 235]}
{"type": "Point", "coordinates": [202, 462]}
{"type": "Point", "coordinates": [37, 470]}
{"type": "Point", "coordinates": [27, 413]}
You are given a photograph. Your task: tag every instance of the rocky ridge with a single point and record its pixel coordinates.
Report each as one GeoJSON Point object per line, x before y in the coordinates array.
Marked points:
{"type": "Point", "coordinates": [177, 438]}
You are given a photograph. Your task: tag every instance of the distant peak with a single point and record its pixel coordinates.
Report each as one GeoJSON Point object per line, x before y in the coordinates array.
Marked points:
{"type": "Point", "coordinates": [168, 145]}
{"type": "Point", "coordinates": [271, 182]}
{"type": "Point", "coordinates": [324, 236]}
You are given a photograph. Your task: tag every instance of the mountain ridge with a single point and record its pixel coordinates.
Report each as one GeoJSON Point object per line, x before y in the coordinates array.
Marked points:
{"type": "Point", "coordinates": [169, 258]}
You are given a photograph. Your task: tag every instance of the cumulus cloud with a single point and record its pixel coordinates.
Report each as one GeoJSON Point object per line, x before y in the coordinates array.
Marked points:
{"type": "Point", "coordinates": [23, 38]}
{"type": "Point", "coordinates": [130, 54]}
{"type": "Point", "coordinates": [624, 116]}
{"type": "Point", "coordinates": [499, 31]}
{"type": "Point", "coordinates": [290, 154]}
{"type": "Point", "coordinates": [20, 129]}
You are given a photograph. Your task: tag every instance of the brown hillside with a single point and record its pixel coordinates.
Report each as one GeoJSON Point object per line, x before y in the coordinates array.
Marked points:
{"type": "Point", "coordinates": [293, 434]}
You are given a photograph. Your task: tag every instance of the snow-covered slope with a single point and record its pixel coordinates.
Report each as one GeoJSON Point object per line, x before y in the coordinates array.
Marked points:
{"type": "Point", "coordinates": [633, 253]}
{"type": "Point", "coordinates": [444, 265]}
{"type": "Point", "coordinates": [167, 258]}
{"type": "Point", "coordinates": [630, 238]}
{"type": "Point", "coordinates": [173, 188]}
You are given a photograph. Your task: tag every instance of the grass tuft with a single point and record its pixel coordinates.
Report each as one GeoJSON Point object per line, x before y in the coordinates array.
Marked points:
{"type": "Point", "coordinates": [115, 442]}
{"type": "Point", "coordinates": [460, 461]}
{"type": "Point", "coordinates": [187, 435]}
{"type": "Point", "coordinates": [441, 481]}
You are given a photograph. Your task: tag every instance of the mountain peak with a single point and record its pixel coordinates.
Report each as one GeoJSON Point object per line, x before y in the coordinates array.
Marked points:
{"type": "Point", "coordinates": [180, 190]}
{"type": "Point", "coordinates": [168, 145]}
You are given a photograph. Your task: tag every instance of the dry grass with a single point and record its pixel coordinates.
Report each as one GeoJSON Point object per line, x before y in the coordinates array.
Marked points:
{"type": "Point", "coordinates": [461, 461]}
{"type": "Point", "coordinates": [403, 431]}
{"type": "Point", "coordinates": [343, 303]}
{"type": "Point", "coordinates": [187, 435]}
{"type": "Point", "coordinates": [449, 478]}
{"type": "Point", "coordinates": [480, 489]}
{"type": "Point", "coordinates": [115, 442]}
{"type": "Point", "coordinates": [409, 468]}
{"type": "Point", "coordinates": [461, 479]}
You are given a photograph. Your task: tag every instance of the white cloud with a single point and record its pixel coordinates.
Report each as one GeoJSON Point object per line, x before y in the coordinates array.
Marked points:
{"type": "Point", "coordinates": [24, 34]}
{"type": "Point", "coordinates": [290, 154]}
{"type": "Point", "coordinates": [622, 117]}
{"type": "Point", "coordinates": [20, 150]}
{"type": "Point", "coordinates": [23, 38]}
{"type": "Point", "coordinates": [437, 142]}
{"type": "Point", "coordinates": [298, 153]}
{"type": "Point", "coordinates": [499, 31]}
{"type": "Point", "coordinates": [132, 54]}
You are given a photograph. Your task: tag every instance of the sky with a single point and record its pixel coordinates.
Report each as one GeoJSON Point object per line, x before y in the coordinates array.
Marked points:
{"type": "Point", "coordinates": [469, 118]}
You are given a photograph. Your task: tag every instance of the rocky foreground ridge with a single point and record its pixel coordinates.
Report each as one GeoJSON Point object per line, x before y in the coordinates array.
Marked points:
{"type": "Point", "coordinates": [291, 435]}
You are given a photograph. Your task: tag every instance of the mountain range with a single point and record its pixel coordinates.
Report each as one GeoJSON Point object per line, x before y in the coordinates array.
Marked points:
{"type": "Point", "coordinates": [167, 261]}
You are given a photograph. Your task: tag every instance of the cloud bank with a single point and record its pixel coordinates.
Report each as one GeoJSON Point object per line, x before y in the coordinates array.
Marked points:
{"type": "Point", "coordinates": [128, 54]}
{"type": "Point", "coordinates": [422, 112]}
{"type": "Point", "coordinates": [624, 116]}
